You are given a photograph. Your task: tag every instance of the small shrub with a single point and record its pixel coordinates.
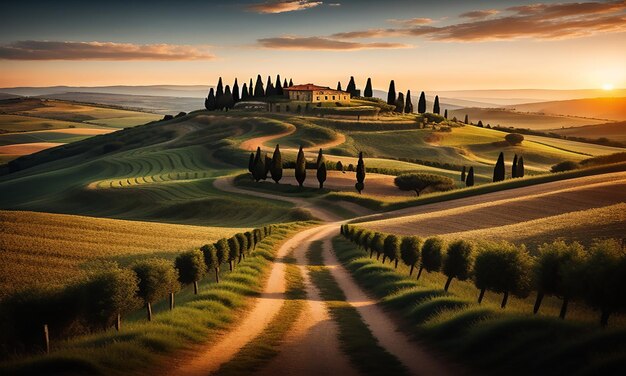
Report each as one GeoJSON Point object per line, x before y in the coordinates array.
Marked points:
{"type": "Point", "coordinates": [565, 166]}
{"type": "Point", "coordinates": [514, 138]}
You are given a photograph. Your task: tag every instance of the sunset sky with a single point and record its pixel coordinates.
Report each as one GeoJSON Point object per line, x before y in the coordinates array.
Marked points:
{"type": "Point", "coordinates": [431, 45]}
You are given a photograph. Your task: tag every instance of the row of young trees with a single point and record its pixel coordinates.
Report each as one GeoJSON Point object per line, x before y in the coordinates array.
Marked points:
{"type": "Point", "coordinates": [566, 271]}
{"type": "Point", "coordinates": [223, 98]}
{"type": "Point", "coordinates": [261, 165]}
{"type": "Point", "coordinates": [517, 168]}
{"type": "Point", "coordinates": [98, 301]}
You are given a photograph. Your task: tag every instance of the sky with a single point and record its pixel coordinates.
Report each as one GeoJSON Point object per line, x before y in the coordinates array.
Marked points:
{"type": "Point", "coordinates": [427, 45]}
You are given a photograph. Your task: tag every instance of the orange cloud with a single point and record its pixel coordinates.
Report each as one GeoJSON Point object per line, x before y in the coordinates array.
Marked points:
{"type": "Point", "coordinates": [283, 6]}
{"type": "Point", "coordinates": [539, 21]}
{"type": "Point", "coordinates": [321, 43]}
{"type": "Point", "coordinates": [412, 21]}
{"type": "Point", "coordinates": [50, 50]}
{"type": "Point", "coordinates": [478, 14]}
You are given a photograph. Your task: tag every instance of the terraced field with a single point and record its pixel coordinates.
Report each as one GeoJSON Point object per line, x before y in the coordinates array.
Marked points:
{"type": "Point", "coordinates": [54, 249]}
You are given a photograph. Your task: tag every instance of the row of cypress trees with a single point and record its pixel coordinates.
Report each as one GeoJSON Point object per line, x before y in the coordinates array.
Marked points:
{"type": "Point", "coordinates": [223, 98]}
{"type": "Point", "coordinates": [566, 271]}
{"type": "Point", "coordinates": [517, 169]}
{"type": "Point", "coordinates": [260, 165]}
{"type": "Point", "coordinates": [405, 105]}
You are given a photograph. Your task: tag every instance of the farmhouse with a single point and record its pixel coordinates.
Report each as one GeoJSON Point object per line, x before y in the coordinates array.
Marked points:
{"type": "Point", "coordinates": [316, 94]}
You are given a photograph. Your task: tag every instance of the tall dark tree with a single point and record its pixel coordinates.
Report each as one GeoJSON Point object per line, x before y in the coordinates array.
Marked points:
{"type": "Point", "coordinates": [514, 167]}
{"type": "Point", "coordinates": [269, 88]}
{"type": "Point", "coordinates": [421, 104]}
{"type": "Point", "coordinates": [360, 174]}
{"type": "Point", "coordinates": [368, 93]}
{"type": "Point", "coordinates": [276, 168]}
{"type": "Point", "coordinates": [229, 102]}
{"type": "Point", "coordinates": [466, 121]}
{"type": "Point", "coordinates": [400, 103]}
{"type": "Point", "coordinates": [209, 103]}
{"type": "Point", "coordinates": [445, 113]}
{"type": "Point", "coordinates": [236, 97]}
{"type": "Point", "coordinates": [278, 88]}
{"type": "Point", "coordinates": [463, 174]}
{"type": "Point", "coordinates": [258, 87]}
{"type": "Point", "coordinates": [351, 87]}
{"type": "Point", "coordinates": [339, 86]}
{"type": "Point", "coordinates": [250, 89]}
{"type": "Point", "coordinates": [408, 106]}
{"type": "Point", "coordinates": [469, 181]}
{"type": "Point", "coordinates": [498, 171]}
{"type": "Point", "coordinates": [436, 109]}
{"type": "Point", "coordinates": [268, 166]}
{"type": "Point", "coordinates": [210, 259]}
{"type": "Point", "coordinates": [219, 90]}
{"type": "Point", "coordinates": [285, 84]}
{"type": "Point", "coordinates": [520, 167]}
{"type": "Point", "coordinates": [244, 92]}
{"type": "Point", "coordinates": [290, 82]}
{"type": "Point", "coordinates": [320, 159]}
{"type": "Point", "coordinates": [300, 167]}
{"type": "Point", "coordinates": [321, 174]}
{"type": "Point", "coordinates": [391, 94]}
{"type": "Point", "coordinates": [258, 169]}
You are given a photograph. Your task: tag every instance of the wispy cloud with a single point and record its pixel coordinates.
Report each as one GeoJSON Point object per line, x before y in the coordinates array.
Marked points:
{"type": "Point", "coordinates": [51, 50]}
{"type": "Point", "coordinates": [323, 43]}
{"type": "Point", "coordinates": [411, 21]}
{"type": "Point", "coordinates": [282, 6]}
{"type": "Point", "coordinates": [479, 14]}
{"type": "Point", "coordinates": [537, 21]}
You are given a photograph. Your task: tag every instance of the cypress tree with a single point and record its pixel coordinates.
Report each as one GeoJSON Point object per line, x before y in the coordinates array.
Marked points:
{"type": "Point", "coordinates": [269, 88]}
{"type": "Point", "coordinates": [400, 103]}
{"type": "Point", "coordinates": [251, 164]}
{"type": "Point", "coordinates": [229, 102]}
{"type": "Point", "coordinates": [258, 167]}
{"type": "Point", "coordinates": [321, 174]}
{"type": "Point", "coordinates": [498, 171]}
{"type": "Point", "coordinates": [300, 167]}
{"type": "Point", "coordinates": [391, 94]}
{"type": "Point", "coordinates": [290, 82]}
{"type": "Point", "coordinates": [219, 93]}
{"type": "Point", "coordinates": [244, 92]}
{"type": "Point", "coordinates": [466, 121]}
{"type": "Point", "coordinates": [520, 167]}
{"type": "Point", "coordinates": [278, 89]}
{"type": "Point", "coordinates": [360, 174]}
{"type": "Point", "coordinates": [236, 97]}
{"type": "Point", "coordinates": [277, 165]}
{"type": "Point", "coordinates": [320, 159]}
{"type": "Point", "coordinates": [445, 113]}
{"type": "Point", "coordinates": [339, 86]}
{"type": "Point", "coordinates": [368, 93]}
{"type": "Point", "coordinates": [209, 103]}
{"type": "Point", "coordinates": [469, 181]}
{"type": "Point", "coordinates": [421, 104]}
{"type": "Point", "coordinates": [258, 87]}
{"type": "Point", "coordinates": [285, 84]}
{"type": "Point", "coordinates": [463, 174]}
{"type": "Point", "coordinates": [514, 167]}
{"type": "Point", "coordinates": [250, 90]}
{"type": "Point", "coordinates": [436, 109]}
{"type": "Point", "coordinates": [408, 106]}
{"type": "Point", "coordinates": [351, 87]}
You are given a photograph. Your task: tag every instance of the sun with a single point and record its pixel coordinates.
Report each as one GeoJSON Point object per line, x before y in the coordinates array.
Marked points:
{"type": "Point", "coordinates": [607, 87]}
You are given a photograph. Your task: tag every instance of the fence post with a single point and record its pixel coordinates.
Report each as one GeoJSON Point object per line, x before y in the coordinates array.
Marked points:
{"type": "Point", "coordinates": [46, 338]}
{"type": "Point", "coordinates": [171, 301]}
{"type": "Point", "coordinates": [118, 322]}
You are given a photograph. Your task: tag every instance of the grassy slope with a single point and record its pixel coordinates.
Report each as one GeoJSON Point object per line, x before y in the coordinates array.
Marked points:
{"type": "Point", "coordinates": [485, 337]}
{"type": "Point", "coordinates": [612, 131]}
{"type": "Point", "coordinates": [509, 118]}
{"type": "Point", "coordinates": [56, 249]}
{"type": "Point", "coordinates": [147, 346]}
{"type": "Point", "coordinates": [600, 108]}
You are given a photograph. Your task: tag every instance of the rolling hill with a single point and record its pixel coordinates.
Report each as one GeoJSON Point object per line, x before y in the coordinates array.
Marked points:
{"type": "Point", "coordinates": [595, 108]}
{"type": "Point", "coordinates": [612, 131]}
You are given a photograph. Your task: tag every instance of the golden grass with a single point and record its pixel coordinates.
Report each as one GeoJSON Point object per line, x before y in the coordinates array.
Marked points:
{"type": "Point", "coordinates": [52, 249]}
{"type": "Point", "coordinates": [29, 148]}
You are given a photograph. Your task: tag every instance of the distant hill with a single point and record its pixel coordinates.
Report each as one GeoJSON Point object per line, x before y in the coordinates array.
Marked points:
{"type": "Point", "coordinates": [509, 118]}
{"type": "Point", "coordinates": [185, 91]}
{"type": "Point", "coordinates": [8, 96]}
{"type": "Point", "coordinates": [598, 108]}
{"type": "Point", "coordinates": [612, 131]}
{"type": "Point", "coordinates": [517, 96]}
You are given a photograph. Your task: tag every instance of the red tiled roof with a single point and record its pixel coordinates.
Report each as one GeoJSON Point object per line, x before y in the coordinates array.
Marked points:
{"type": "Point", "coordinates": [308, 87]}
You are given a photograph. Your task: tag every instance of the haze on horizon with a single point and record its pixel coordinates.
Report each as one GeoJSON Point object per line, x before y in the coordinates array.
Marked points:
{"type": "Point", "coordinates": [430, 45]}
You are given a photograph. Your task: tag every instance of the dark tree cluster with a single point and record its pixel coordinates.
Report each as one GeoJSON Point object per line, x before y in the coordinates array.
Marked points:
{"type": "Point", "coordinates": [225, 98]}
{"type": "Point", "coordinates": [566, 271]}
{"type": "Point", "coordinates": [517, 168]}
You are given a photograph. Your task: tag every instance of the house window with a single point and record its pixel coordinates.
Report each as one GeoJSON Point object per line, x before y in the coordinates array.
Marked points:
{"type": "Point", "coordinates": [326, 97]}
{"type": "Point", "coordinates": [333, 97]}
{"type": "Point", "coordinates": [344, 97]}
{"type": "Point", "coordinates": [318, 97]}
{"type": "Point", "coordinates": [298, 97]}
